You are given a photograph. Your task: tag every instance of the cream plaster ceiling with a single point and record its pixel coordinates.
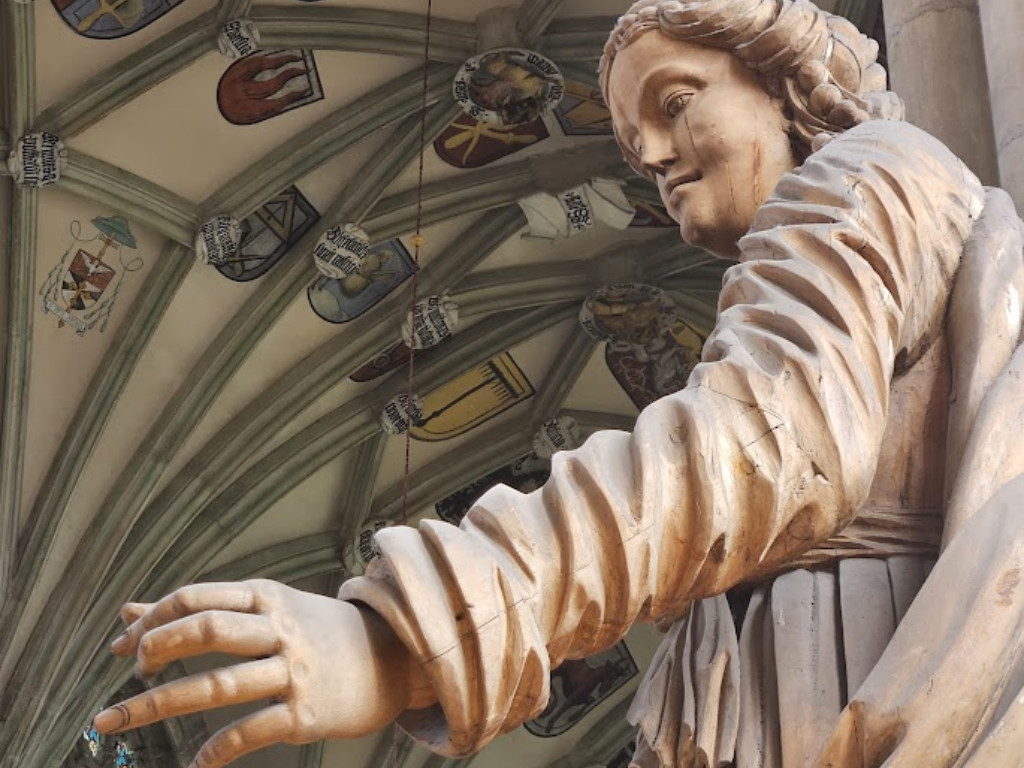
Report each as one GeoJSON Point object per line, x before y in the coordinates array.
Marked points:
{"type": "Point", "coordinates": [211, 429]}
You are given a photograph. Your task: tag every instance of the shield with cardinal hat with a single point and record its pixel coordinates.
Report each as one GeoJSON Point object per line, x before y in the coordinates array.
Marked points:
{"type": "Point", "coordinates": [81, 290]}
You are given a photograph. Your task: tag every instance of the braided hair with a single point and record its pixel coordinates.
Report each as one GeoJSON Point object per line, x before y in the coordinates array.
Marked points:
{"type": "Point", "coordinates": [820, 63]}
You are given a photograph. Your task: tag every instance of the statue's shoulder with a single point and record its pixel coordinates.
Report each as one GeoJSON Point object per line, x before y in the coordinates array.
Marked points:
{"type": "Point", "coordinates": [898, 146]}
{"type": "Point", "coordinates": [883, 174]}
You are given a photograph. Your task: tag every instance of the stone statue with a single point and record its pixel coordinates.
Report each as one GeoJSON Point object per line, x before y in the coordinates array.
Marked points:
{"type": "Point", "coordinates": [858, 401]}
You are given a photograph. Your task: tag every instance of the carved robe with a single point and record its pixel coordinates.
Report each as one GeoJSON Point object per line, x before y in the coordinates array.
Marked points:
{"type": "Point", "coordinates": [761, 471]}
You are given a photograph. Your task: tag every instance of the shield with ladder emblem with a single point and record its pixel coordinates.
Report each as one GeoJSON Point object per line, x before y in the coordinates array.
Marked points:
{"type": "Point", "coordinates": [472, 398]}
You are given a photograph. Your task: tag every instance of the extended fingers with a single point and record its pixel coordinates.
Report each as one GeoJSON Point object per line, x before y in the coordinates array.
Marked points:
{"type": "Point", "coordinates": [238, 634]}
{"type": "Point", "coordinates": [186, 601]}
{"type": "Point", "coordinates": [261, 729]}
{"type": "Point", "coordinates": [132, 612]}
{"type": "Point", "coordinates": [251, 681]}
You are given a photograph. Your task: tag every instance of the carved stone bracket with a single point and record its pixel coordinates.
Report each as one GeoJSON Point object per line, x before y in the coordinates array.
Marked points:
{"type": "Point", "coordinates": [218, 239]}
{"type": "Point", "coordinates": [37, 160]}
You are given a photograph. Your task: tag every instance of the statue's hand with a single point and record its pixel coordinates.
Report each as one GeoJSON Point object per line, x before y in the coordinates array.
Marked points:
{"type": "Point", "coordinates": [330, 669]}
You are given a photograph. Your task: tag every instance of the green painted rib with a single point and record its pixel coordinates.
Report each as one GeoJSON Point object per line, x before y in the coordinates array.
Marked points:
{"type": "Point", "coordinates": [580, 39]}
{"type": "Point", "coordinates": [369, 30]}
{"type": "Point", "coordinates": [354, 504]}
{"type": "Point", "coordinates": [700, 310]}
{"type": "Point", "coordinates": [581, 72]}
{"type": "Point", "coordinates": [233, 9]}
{"type": "Point", "coordinates": [130, 77]}
{"type": "Point", "coordinates": [563, 376]}
{"type": "Point", "coordinates": [534, 18]}
{"type": "Point", "coordinates": [521, 286]}
{"type": "Point", "coordinates": [675, 257]}
{"type": "Point", "coordinates": [311, 755]}
{"type": "Point", "coordinates": [517, 287]}
{"type": "Point", "coordinates": [20, 52]}
{"type": "Point", "coordinates": [603, 741]}
{"type": "Point", "coordinates": [140, 200]}
{"type": "Point", "coordinates": [18, 36]}
{"type": "Point", "coordinates": [863, 13]}
{"type": "Point", "coordinates": [311, 555]}
{"type": "Point", "coordinates": [80, 440]}
{"type": "Point", "coordinates": [17, 347]}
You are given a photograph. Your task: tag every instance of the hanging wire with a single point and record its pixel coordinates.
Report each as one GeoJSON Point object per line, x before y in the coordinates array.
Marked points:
{"type": "Point", "coordinates": [417, 241]}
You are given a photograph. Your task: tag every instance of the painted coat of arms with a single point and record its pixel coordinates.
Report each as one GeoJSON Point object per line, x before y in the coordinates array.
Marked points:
{"type": "Point", "coordinates": [268, 233]}
{"type": "Point", "coordinates": [508, 86]}
{"type": "Point", "coordinates": [81, 290]}
{"type": "Point", "coordinates": [650, 350]}
{"type": "Point", "coordinates": [266, 84]}
{"type": "Point", "coordinates": [579, 685]}
{"type": "Point", "coordinates": [110, 19]}
{"type": "Point", "coordinates": [472, 398]}
{"type": "Point", "coordinates": [385, 362]}
{"type": "Point", "coordinates": [663, 366]}
{"type": "Point", "coordinates": [583, 112]}
{"type": "Point", "coordinates": [385, 267]}
{"type": "Point", "coordinates": [469, 143]}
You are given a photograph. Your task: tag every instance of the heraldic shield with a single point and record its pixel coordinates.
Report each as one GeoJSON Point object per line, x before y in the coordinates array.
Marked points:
{"type": "Point", "coordinates": [85, 281]}
{"type": "Point", "coordinates": [82, 292]}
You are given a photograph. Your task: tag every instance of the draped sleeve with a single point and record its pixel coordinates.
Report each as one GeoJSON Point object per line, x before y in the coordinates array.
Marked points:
{"type": "Point", "coordinates": [770, 448]}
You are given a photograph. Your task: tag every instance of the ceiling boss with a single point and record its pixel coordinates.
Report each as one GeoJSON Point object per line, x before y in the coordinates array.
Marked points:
{"type": "Point", "coordinates": [790, 465]}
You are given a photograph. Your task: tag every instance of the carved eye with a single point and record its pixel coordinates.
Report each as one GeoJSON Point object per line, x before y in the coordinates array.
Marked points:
{"type": "Point", "coordinates": [676, 103]}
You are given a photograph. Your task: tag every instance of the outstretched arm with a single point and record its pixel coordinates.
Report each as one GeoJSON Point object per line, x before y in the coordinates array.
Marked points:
{"type": "Point", "coordinates": [769, 450]}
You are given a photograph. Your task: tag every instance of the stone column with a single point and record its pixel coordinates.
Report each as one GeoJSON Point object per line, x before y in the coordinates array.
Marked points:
{"type": "Point", "coordinates": [937, 64]}
{"type": "Point", "coordinates": [1002, 22]}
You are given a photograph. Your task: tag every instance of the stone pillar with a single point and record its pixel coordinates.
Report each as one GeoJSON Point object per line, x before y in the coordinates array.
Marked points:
{"type": "Point", "coordinates": [1002, 22]}
{"type": "Point", "coordinates": [937, 65]}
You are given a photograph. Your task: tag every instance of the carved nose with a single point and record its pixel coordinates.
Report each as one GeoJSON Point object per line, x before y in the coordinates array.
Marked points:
{"type": "Point", "coordinates": [659, 158]}
{"type": "Point", "coordinates": [659, 167]}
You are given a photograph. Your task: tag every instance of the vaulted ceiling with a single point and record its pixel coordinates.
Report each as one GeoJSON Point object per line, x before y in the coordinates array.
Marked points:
{"type": "Point", "coordinates": [167, 419]}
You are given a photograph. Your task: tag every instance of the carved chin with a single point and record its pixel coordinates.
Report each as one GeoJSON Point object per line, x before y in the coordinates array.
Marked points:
{"type": "Point", "coordinates": [716, 240]}
{"type": "Point", "coordinates": [699, 235]}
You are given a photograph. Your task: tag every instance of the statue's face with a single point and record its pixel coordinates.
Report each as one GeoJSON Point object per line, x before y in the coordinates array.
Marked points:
{"type": "Point", "coordinates": [705, 128]}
